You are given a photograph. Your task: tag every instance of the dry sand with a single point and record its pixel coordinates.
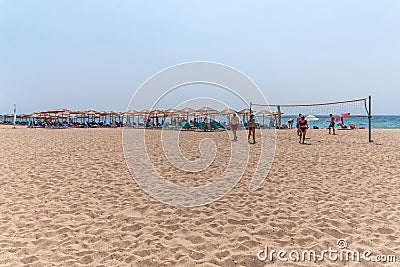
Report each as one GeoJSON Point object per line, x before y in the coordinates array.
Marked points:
{"type": "Point", "coordinates": [68, 199]}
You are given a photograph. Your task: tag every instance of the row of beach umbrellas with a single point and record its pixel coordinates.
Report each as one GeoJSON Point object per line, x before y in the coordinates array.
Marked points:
{"type": "Point", "coordinates": [186, 112]}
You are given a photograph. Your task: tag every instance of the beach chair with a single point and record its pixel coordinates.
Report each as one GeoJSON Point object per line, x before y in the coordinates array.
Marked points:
{"type": "Point", "coordinates": [186, 126]}
{"type": "Point", "coordinates": [214, 125]}
{"type": "Point", "coordinates": [164, 125]}
{"type": "Point", "coordinates": [201, 125]}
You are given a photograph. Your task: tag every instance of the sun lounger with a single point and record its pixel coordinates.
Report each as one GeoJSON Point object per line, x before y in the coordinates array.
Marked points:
{"type": "Point", "coordinates": [186, 126]}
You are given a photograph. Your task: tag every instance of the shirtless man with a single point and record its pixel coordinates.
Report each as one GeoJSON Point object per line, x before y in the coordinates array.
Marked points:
{"type": "Point", "coordinates": [298, 125]}
{"type": "Point", "coordinates": [234, 125]}
{"type": "Point", "coordinates": [206, 123]}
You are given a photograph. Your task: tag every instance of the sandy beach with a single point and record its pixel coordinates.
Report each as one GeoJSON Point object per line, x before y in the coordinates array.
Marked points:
{"type": "Point", "coordinates": [68, 199]}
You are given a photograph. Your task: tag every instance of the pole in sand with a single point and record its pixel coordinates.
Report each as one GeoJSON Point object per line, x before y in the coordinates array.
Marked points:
{"type": "Point", "coordinates": [15, 115]}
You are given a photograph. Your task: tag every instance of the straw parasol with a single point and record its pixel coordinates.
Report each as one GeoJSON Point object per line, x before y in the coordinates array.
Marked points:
{"type": "Point", "coordinates": [263, 113]}
{"type": "Point", "coordinates": [187, 111]}
{"type": "Point", "coordinates": [120, 114]}
{"type": "Point", "coordinates": [155, 112]}
{"type": "Point", "coordinates": [144, 112]}
{"type": "Point", "coordinates": [171, 111]}
{"type": "Point", "coordinates": [208, 110]}
{"type": "Point", "coordinates": [91, 113]}
{"type": "Point", "coordinates": [80, 114]}
{"type": "Point", "coordinates": [58, 113]}
{"type": "Point", "coordinates": [245, 112]}
{"type": "Point", "coordinates": [227, 112]}
{"type": "Point", "coordinates": [59, 110]}
{"type": "Point", "coordinates": [131, 113]}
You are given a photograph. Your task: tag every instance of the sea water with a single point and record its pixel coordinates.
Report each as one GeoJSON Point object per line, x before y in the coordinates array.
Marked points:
{"type": "Point", "coordinates": [377, 122]}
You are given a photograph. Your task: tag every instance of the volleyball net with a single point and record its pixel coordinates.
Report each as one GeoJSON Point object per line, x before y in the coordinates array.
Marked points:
{"type": "Point", "coordinates": [357, 112]}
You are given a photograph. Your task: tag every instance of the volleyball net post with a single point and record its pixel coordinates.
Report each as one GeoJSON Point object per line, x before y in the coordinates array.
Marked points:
{"type": "Point", "coordinates": [344, 110]}
{"type": "Point", "coordinates": [369, 120]}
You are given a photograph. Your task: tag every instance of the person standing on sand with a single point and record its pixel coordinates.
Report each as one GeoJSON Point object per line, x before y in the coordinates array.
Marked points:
{"type": "Point", "coordinates": [234, 126]}
{"type": "Point", "coordinates": [331, 124]}
{"type": "Point", "coordinates": [290, 123]}
{"type": "Point", "coordinates": [298, 124]}
{"type": "Point", "coordinates": [303, 126]}
{"type": "Point", "coordinates": [251, 125]}
{"type": "Point", "coordinates": [205, 123]}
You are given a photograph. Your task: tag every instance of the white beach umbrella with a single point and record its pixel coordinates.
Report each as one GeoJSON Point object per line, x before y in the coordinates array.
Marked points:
{"type": "Point", "coordinates": [311, 118]}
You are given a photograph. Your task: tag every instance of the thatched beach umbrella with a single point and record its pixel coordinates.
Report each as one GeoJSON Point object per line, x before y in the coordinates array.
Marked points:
{"type": "Point", "coordinates": [120, 114]}
{"type": "Point", "coordinates": [228, 112]}
{"type": "Point", "coordinates": [104, 114]}
{"type": "Point", "coordinates": [277, 114]}
{"type": "Point", "coordinates": [144, 113]}
{"type": "Point", "coordinates": [263, 113]}
{"type": "Point", "coordinates": [131, 113]}
{"type": "Point", "coordinates": [82, 115]}
{"type": "Point", "coordinates": [112, 115]}
{"type": "Point", "coordinates": [74, 115]}
{"type": "Point", "coordinates": [208, 110]}
{"type": "Point", "coordinates": [245, 113]}
{"type": "Point", "coordinates": [92, 113]}
{"type": "Point", "coordinates": [154, 114]}
{"type": "Point", "coordinates": [60, 112]}
{"type": "Point", "coordinates": [171, 112]}
{"type": "Point", "coordinates": [197, 114]}
{"type": "Point", "coordinates": [187, 112]}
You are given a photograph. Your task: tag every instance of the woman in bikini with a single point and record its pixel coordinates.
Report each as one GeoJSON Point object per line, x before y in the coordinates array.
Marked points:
{"type": "Point", "coordinates": [251, 125]}
{"type": "Point", "coordinates": [303, 126]}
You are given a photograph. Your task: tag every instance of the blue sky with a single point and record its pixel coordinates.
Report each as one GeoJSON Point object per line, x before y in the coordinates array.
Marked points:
{"type": "Point", "coordinates": [95, 54]}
